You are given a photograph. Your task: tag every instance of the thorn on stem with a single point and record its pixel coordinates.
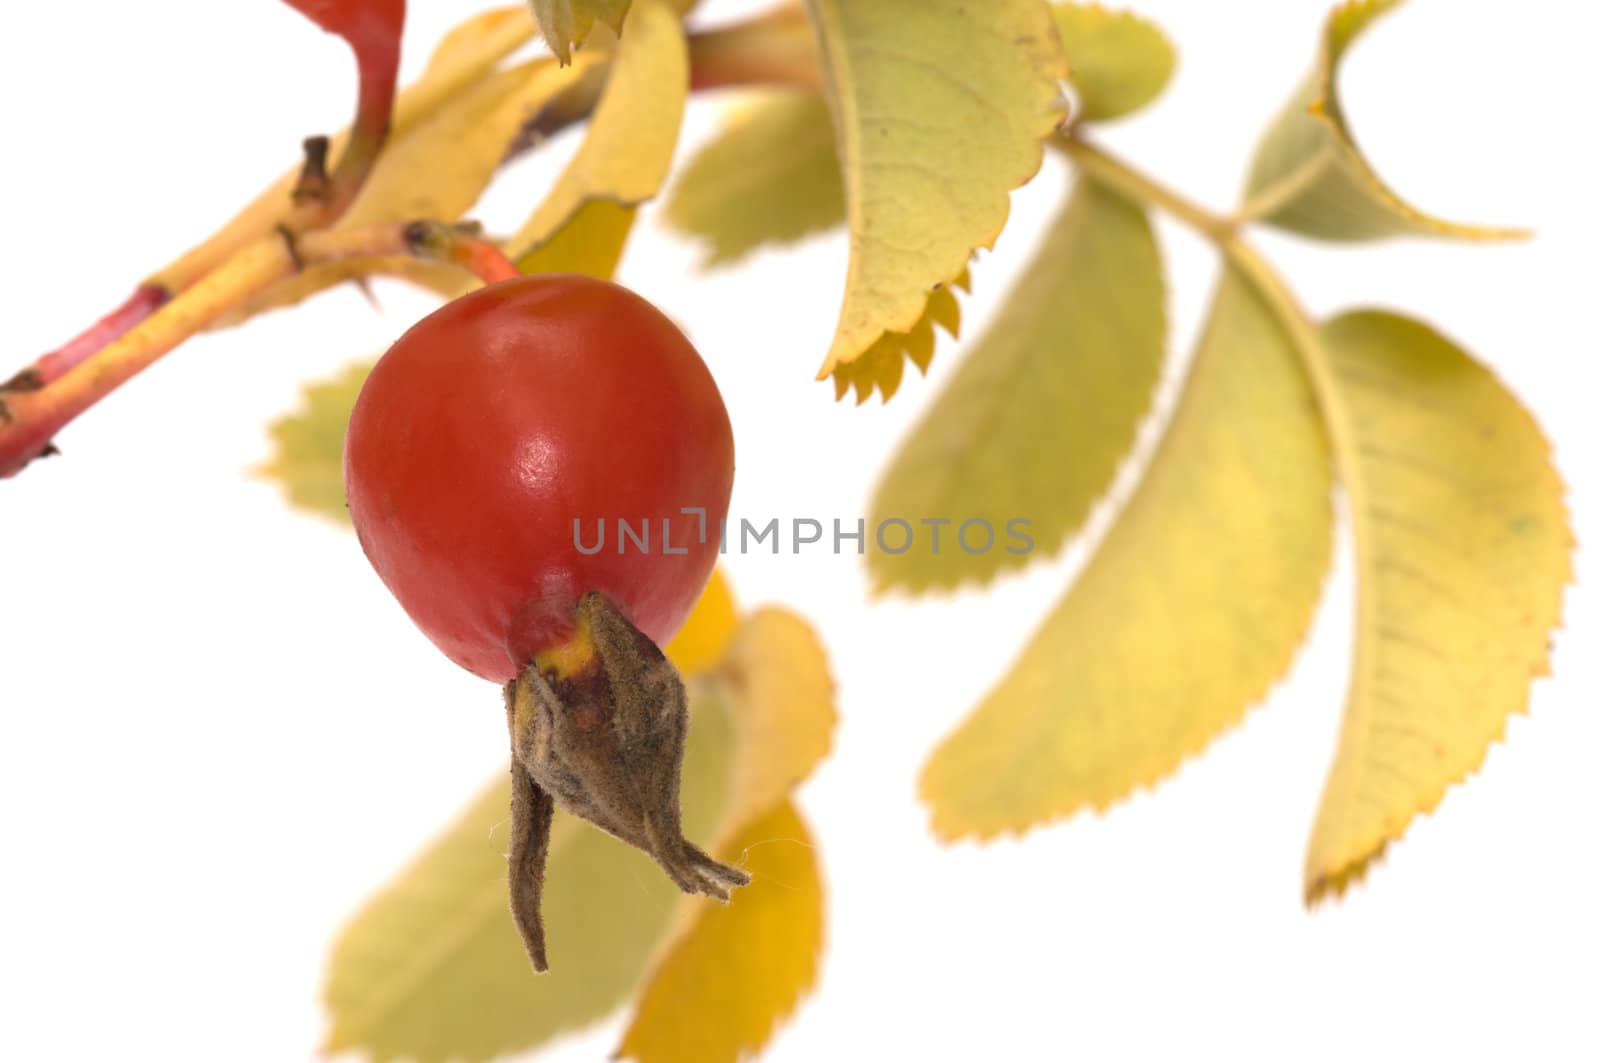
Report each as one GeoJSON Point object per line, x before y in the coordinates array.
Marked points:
{"type": "Point", "coordinates": [293, 246]}
{"type": "Point", "coordinates": [313, 185]}
{"type": "Point", "coordinates": [364, 286]}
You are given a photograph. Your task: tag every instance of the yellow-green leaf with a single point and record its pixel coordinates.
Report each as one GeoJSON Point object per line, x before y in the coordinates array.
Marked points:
{"type": "Point", "coordinates": [1310, 177]}
{"type": "Point", "coordinates": [939, 109]}
{"type": "Point", "coordinates": [627, 150]}
{"type": "Point", "coordinates": [432, 969]}
{"type": "Point", "coordinates": [566, 23]}
{"type": "Point", "coordinates": [1034, 421]}
{"type": "Point", "coordinates": [771, 176]}
{"type": "Point", "coordinates": [720, 989]}
{"type": "Point", "coordinates": [308, 444]}
{"type": "Point", "coordinates": [1188, 611]}
{"type": "Point", "coordinates": [1119, 62]}
{"type": "Point", "coordinates": [882, 366]}
{"type": "Point", "coordinates": [1463, 552]}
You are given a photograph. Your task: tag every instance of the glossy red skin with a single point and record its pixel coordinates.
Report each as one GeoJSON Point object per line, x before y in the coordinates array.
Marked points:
{"type": "Point", "coordinates": [502, 416]}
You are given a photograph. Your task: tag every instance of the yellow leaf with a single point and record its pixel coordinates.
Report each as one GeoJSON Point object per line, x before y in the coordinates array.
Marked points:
{"type": "Point", "coordinates": [770, 176]}
{"type": "Point", "coordinates": [775, 676]}
{"type": "Point", "coordinates": [705, 636]}
{"type": "Point", "coordinates": [882, 365]}
{"type": "Point", "coordinates": [1462, 554]}
{"type": "Point", "coordinates": [1189, 610]}
{"type": "Point", "coordinates": [589, 242]}
{"type": "Point", "coordinates": [468, 50]}
{"type": "Point", "coordinates": [308, 444]}
{"type": "Point", "coordinates": [436, 169]}
{"type": "Point", "coordinates": [720, 989]}
{"type": "Point", "coordinates": [1033, 423]}
{"type": "Point", "coordinates": [1309, 177]}
{"type": "Point", "coordinates": [432, 968]}
{"type": "Point", "coordinates": [1119, 61]}
{"type": "Point", "coordinates": [566, 23]}
{"type": "Point", "coordinates": [627, 150]}
{"type": "Point", "coordinates": [939, 109]}
{"type": "Point", "coordinates": [439, 167]}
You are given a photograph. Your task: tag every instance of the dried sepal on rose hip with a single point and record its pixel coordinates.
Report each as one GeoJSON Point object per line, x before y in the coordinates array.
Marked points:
{"type": "Point", "coordinates": [485, 438]}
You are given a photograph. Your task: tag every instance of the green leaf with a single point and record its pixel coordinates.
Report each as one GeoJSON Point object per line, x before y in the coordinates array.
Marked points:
{"type": "Point", "coordinates": [939, 108]}
{"type": "Point", "coordinates": [771, 176]}
{"type": "Point", "coordinates": [1185, 615]}
{"type": "Point", "coordinates": [1036, 418]}
{"type": "Point", "coordinates": [628, 147]}
{"type": "Point", "coordinates": [565, 24]}
{"type": "Point", "coordinates": [1308, 175]}
{"type": "Point", "coordinates": [1119, 62]}
{"type": "Point", "coordinates": [882, 366]}
{"type": "Point", "coordinates": [433, 969]}
{"type": "Point", "coordinates": [1463, 551]}
{"type": "Point", "coordinates": [720, 990]}
{"type": "Point", "coordinates": [308, 444]}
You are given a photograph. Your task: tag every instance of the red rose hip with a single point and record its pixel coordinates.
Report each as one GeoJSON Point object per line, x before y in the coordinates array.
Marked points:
{"type": "Point", "coordinates": [494, 460]}
{"type": "Point", "coordinates": [504, 417]}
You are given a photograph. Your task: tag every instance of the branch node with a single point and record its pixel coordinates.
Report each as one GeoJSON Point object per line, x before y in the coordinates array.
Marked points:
{"type": "Point", "coordinates": [423, 237]}
{"type": "Point", "coordinates": [27, 380]}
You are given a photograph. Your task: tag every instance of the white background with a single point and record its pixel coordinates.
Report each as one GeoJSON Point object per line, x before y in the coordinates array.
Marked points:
{"type": "Point", "coordinates": [218, 733]}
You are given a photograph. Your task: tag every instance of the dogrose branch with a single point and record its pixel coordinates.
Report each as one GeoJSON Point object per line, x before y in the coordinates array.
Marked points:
{"type": "Point", "coordinates": [319, 198]}
{"type": "Point", "coordinates": [31, 415]}
{"type": "Point", "coordinates": [272, 238]}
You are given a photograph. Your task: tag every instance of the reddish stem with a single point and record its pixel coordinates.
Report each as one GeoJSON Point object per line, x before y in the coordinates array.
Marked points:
{"type": "Point", "coordinates": [145, 300]}
{"type": "Point", "coordinates": [379, 67]}
{"type": "Point", "coordinates": [775, 48]}
{"type": "Point", "coordinates": [31, 416]}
